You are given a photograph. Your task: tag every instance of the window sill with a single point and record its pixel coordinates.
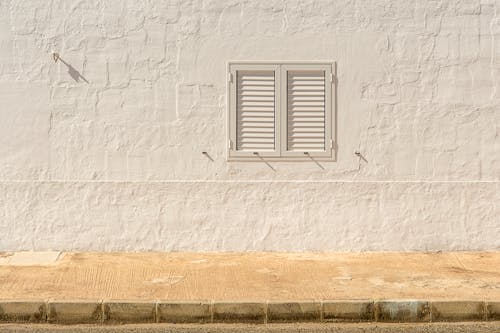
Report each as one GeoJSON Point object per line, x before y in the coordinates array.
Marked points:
{"type": "Point", "coordinates": [281, 159]}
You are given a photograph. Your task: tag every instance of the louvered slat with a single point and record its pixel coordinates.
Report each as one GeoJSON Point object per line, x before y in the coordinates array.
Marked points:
{"type": "Point", "coordinates": [306, 111]}
{"type": "Point", "coordinates": [255, 111]}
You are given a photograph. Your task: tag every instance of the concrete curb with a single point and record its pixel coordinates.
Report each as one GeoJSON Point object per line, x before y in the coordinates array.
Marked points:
{"type": "Point", "coordinates": [126, 312]}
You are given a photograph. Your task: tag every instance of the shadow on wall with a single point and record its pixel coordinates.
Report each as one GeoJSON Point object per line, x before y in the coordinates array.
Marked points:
{"type": "Point", "coordinates": [76, 75]}
{"type": "Point", "coordinates": [361, 157]}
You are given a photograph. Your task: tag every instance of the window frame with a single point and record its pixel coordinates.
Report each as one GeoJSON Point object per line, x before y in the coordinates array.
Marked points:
{"type": "Point", "coordinates": [281, 69]}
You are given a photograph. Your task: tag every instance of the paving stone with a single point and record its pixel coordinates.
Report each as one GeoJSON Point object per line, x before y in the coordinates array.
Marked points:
{"type": "Point", "coordinates": [347, 310]}
{"type": "Point", "coordinates": [23, 311]}
{"type": "Point", "coordinates": [129, 312]}
{"type": "Point", "coordinates": [293, 311]}
{"type": "Point", "coordinates": [402, 311]}
{"type": "Point", "coordinates": [493, 310]}
{"type": "Point", "coordinates": [184, 312]}
{"type": "Point", "coordinates": [458, 311]}
{"type": "Point", "coordinates": [75, 312]}
{"type": "Point", "coordinates": [240, 312]}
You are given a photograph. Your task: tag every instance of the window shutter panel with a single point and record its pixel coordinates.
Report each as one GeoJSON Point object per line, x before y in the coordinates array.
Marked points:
{"type": "Point", "coordinates": [256, 111]}
{"type": "Point", "coordinates": [306, 116]}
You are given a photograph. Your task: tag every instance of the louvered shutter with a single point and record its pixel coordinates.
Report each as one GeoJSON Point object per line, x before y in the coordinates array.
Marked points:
{"type": "Point", "coordinates": [308, 116]}
{"type": "Point", "coordinates": [255, 111]}
{"type": "Point", "coordinates": [306, 111]}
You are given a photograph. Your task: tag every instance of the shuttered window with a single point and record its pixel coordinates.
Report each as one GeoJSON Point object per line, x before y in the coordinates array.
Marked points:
{"type": "Point", "coordinates": [280, 111]}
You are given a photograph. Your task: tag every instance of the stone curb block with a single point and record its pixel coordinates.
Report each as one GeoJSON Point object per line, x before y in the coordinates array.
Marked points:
{"type": "Point", "coordinates": [402, 311]}
{"type": "Point", "coordinates": [238, 312]}
{"type": "Point", "coordinates": [23, 311]}
{"type": "Point", "coordinates": [184, 312]}
{"type": "Point", "coordinates": [75, 312]}
{"type": "Point", "coordinates": [458, 311]}
{"type": "Point", "coordinates": [293, 311]}
{"type": "Point", "coordinates": [350, 311]}
{"type": "Point", "coordinates": [493, 310]}
{"type": "Point", "coordinates": [126, 312]}
{"type": "Point", "coordinates": [114, 311]}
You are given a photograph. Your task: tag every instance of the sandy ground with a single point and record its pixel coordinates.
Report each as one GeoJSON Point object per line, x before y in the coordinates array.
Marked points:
{"type": "Point", "coordinates": [250, 276]}
{"type": "Point", "coordinates": [492, 327]}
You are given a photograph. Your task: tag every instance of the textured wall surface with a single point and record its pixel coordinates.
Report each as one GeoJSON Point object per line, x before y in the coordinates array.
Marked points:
{"type": "Point", "coordinates": [103, 149]}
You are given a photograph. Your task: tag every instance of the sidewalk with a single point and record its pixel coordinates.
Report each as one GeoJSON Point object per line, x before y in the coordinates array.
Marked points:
{"type": "Point", "coordinates": [286, 287]}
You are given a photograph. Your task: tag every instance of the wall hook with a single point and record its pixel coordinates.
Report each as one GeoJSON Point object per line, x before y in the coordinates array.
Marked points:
{"type": "Point", "coordinates": [263, 160]}
{"type": "Point", "coordinates": [314, 160]}
{"type": "Point", "coordinates": [361, 157]}
{"type": "Point", "coordinates": [207, 155]}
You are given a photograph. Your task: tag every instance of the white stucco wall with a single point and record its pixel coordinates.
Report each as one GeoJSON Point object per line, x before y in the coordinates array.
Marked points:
{"type": "Point", "coordinates": [107, 154]}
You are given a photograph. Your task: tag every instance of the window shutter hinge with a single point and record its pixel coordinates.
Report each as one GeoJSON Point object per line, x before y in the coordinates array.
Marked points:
{"type": "Point", "coordinates": [229, 77]}
{"type": "Point", "coordinates": [229, 144]}
{"type": "Point", "coordinates": [331, 77]}
{"type": "Point", "coordinates": [331, 144]}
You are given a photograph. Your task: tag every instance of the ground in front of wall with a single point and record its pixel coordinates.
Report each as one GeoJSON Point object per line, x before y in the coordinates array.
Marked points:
{"type": "Point", "coordinates": [472, 276]}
